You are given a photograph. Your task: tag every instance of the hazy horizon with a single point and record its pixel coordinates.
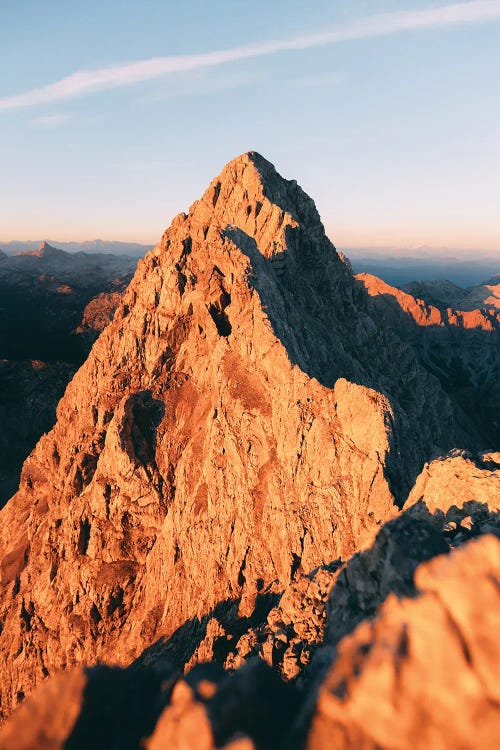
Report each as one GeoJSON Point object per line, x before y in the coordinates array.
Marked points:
{"type": "Point", "coordinates": [464, 267]}
{"type": "Point", "coordinates": [390, 250]}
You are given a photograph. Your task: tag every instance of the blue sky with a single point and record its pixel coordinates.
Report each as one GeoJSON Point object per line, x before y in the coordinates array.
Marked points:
{"type": "Point", "coordinates": [115, 115]}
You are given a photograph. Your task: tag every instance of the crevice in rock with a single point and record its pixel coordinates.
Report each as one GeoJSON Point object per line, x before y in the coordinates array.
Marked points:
{"type": "Point", "coordinates": [187, 246]}
{"type": "Point", "coordinates": [241, 574]}
{"type": "Point", "coordinates": [107, 498]}
{"type": "Point", "coordinates": [217, 188]}
{"type": "Point", "coordinates": [181, 279]}
{"type": "Point", "coordinates": [17, 586]}
{"type": "Point", "coordinates": [95, 615]}
{"type": "Point", "coordinates": [84, 536]}
{"type": "Point", "coordinates": [26, 616]}
{"type": "Point", "coordinates": [461, 638]}
{"type": "Point", "coordinates": [53, 570]}
{"type": "Point", "coordinates": [147, 413]}
{"type": "Point", "coordinates": [115, 602]}
{"type": "Point", "coordinates": [221, 320]}
{"type": "Point", "coordinates": [296, 561]}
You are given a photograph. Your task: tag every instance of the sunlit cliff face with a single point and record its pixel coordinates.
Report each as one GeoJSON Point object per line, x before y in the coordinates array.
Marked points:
{"type": "Point", "coordinates": [260, 466]}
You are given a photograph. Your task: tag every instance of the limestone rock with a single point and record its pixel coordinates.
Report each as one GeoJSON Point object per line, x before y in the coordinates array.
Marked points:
{"type": "Point", "coordinates": [243, 420]}
{"type": "Point", "coordinates": [424, 672]}
{"type": "Point", "coordinates": [461, 348]}
{"type": "Point", "coordinates": [99, 313]}
{"type": "Point", "coordinates": [416, 673]}
{"type": "Point", "coordinates": [444, 294]}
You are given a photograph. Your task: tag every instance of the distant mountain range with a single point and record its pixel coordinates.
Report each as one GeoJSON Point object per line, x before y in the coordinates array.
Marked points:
{"type": "Point", "coordinates": [464, 268]}
{"type": "Point", "coordinates": [134, 249]}
{"type": "Point", "coordinates": [395, 266]}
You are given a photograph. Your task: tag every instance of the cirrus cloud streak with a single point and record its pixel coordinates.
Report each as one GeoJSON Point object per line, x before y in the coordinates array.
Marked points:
{"type": "Point", "coordinates": [116, 76]}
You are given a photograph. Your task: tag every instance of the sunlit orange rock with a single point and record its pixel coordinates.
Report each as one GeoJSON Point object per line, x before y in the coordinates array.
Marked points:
{"type": "Point", "coordinates": [424, 673]}
{"type": "Point", "coordinates": [242, 420]}
{"type": "Point", "coordinates": [461, 348]}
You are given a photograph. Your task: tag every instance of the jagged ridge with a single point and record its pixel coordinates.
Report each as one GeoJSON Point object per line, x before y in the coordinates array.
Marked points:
{"type": "Point", "coordinates": [241, 420]}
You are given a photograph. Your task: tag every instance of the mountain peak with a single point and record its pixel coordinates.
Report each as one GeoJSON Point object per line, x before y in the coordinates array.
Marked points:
{"type": "Point", "coordinates": [251, 197]}
{"type": "Point", "coordinates": [251, 157]}
{"type": "Point", "coordinates": [46, 251]}
{"type": "Point", "coordinates": [223, 435]}
{"type": "Point", "coordinates": [261, 168]}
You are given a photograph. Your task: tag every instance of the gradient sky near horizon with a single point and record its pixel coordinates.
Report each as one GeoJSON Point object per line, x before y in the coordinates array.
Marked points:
{"type": "Point", "coordinates": [114, 116]}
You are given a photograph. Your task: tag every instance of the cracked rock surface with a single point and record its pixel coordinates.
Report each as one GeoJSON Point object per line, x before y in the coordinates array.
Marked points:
{"type": "Point", "coordinates": [242, 428]}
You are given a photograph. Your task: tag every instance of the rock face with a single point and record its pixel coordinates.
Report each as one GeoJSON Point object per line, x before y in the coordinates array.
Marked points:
{"type": "Point", "coordinates": [99, 313]}
{"type": "Point", "coordinates": [396, 648]}
{"type": "Point", "coordinates": [242, 420]}
{"type": "Point", "coordinates": [425, 669]}
{"type": "Point", "coordinates": [460, 347]}
{"type": "Point", "coordinates": [444, 294]}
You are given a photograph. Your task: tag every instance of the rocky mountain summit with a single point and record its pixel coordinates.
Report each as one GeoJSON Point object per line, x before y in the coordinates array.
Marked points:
{"type": "Point", "coordinates": [224, 484]}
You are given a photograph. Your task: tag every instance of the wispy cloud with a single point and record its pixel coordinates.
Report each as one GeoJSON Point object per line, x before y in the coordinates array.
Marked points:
{"type": "Point", "coordinates": [50, 121]}
{"type": "Point", "coordinates": [90, 81]}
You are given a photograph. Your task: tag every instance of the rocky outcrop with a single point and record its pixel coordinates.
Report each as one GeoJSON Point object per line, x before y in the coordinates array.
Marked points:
{"type": "Point", "coordinates": [461, 348]}
{"type": "Point", "coordinates": [457, 481]}
{"type": "Point", "coordinates": [422, 672]}
{"type": "Point", "coordinates": [424, 314]}
{"type": "Point", "coordinates": [444, 294]}
{"type": "Point", "coordinates": [243, 419]}
{"type": "Point", "coordinates": [399, 645]}
{"type": "Point", "coordinates": [441, 293]}
{"type": "Point", "coordinates": [99, 313]}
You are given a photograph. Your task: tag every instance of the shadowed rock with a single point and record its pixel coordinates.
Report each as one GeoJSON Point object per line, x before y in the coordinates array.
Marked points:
{"type": "Point", "coordinates": [243, 420]}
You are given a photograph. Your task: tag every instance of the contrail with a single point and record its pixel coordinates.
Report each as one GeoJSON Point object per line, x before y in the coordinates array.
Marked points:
{"type": "Point", "coordinates": [90, 81]}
